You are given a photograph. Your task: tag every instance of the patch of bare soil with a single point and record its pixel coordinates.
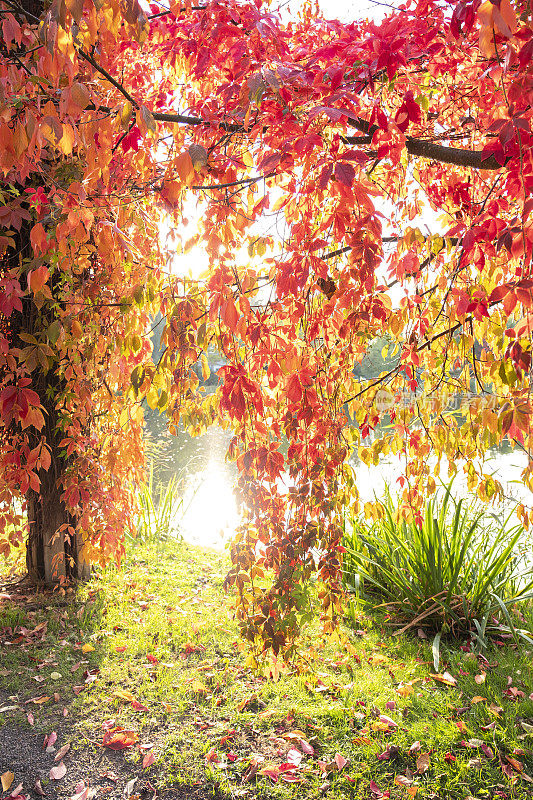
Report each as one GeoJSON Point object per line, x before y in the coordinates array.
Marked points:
{"type": "Point", "coordinates": [91, 772]}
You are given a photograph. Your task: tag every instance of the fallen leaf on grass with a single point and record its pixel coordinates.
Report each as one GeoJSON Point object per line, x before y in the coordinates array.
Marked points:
{"type": "Point", "coordinates": [87, 648]}
{"type": "Point", "coordinates": [478, 699]}
{"type": "Point", "coordinates": [152, 659]}
{"type": "Point", "coordinates": [292, 777]}
{"type": "Point", "coordinates": [7, 779]}
{"type": "Point", "coordinates": [123, 695]}
{"type": "Point", "coordinates": [56, 773]}
{"type": "Point", "coordinates": [138, 706]}
{"type": "Point", "coordinates": [197, 687]}
{"type": "Point", "coordinates": [213, 757]}
{"type": "Point", "coordinates": [38, 789]}
{"type": "Point", "coordinates": [487, 750]}
{"type": "Point", "coordinates": [128, 789]}
{"type": "Point", "coordinates": [407, 783]}
{"type": "Point", "coordinates": [445, 678]}
{"type": "Point", "coordinates": [271, 771]}
{"type": "Point", "coordinates": [340, 761]}
{"type": "Point", "coordinates": [392, 751]}
{"type": "Point", "coordinates": [474, 743]}
{"type": "Point", "coordinates": [403, 780]}
{"type": "Point", "coordinates": [247, 702]}
{"type": "Point", "coordinates": [148, 760]}
{"type": "Point", "coordinates": [299, 737]}
{"type": "Point", "coordinates": [119, 739]}
{"type": "Point", "coordinates": [361, 740]}
{"type": "Point", "coordinates": [374, 788]}
{"type": "Point", "coordinates": [422, 763]}
{"type": "Point", "coordinates": [517, 765]}
{"type": "Point", "coordinates": [479, 679]}
{"type": "Point", "coordinates": [406, 690]}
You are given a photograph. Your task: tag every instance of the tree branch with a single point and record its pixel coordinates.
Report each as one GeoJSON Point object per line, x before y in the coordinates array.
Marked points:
{"type": "Point", "coordinates": [423, 148]}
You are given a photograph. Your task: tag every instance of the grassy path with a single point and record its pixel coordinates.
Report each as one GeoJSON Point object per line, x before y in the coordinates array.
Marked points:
{"type": "Point", "coordinates": [142, 674]}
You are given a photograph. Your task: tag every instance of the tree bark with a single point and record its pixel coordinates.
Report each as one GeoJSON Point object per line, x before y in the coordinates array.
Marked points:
{"type": "Point", "coordinates": [53, 552]}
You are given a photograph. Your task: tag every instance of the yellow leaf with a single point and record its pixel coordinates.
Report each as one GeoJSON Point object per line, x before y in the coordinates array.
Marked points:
{"type": "Point", "coordinates": [445, 678]}
{"type": "Point", "coordinates": [66, 143]}
{"type": "Point", "coordinates": [206, 372]}
{"type": "Point", "coordinates": [76, 329]}
{"type": "Point", "coordinates": [123, 695]}
{"type": "Point", "coordinates": [405, 691]}
{"type": "Point", "coordinates": [198, 687]}
{"type": "Point", "coordinates": [87, 648]}
{"type": "Point", "coordinates": [7, 780]}
{"type": "Point", "coordinates": [145, 120]}
{"type": "Point", "coordinates": [380, 726]}
{"type": "Point", "coordinates": [478, 699]}
{"type": "Point", "coordinates": [125, 114]}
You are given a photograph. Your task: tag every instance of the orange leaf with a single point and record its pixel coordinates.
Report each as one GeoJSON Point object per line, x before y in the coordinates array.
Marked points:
{"type": "Point", "coordinates": [39, 243]}
{"type": "Point", "coordinates": [119, 739]}
{"type": "Point", "coordinates": [79, 95]}
{"type": "Point", "coordinates": [229, 314]}
{"type": "Point", "coordinates": [445, 678]}
{"type": "Point", "coordinates": [184, 167]}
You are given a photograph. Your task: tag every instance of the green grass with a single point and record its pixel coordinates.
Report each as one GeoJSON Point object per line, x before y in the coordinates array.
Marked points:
{"type": "Point", "coordinates": [204, 704]}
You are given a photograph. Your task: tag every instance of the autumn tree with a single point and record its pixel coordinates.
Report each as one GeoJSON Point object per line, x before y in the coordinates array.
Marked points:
{"type": "Point", "coordinates": [311, 149]}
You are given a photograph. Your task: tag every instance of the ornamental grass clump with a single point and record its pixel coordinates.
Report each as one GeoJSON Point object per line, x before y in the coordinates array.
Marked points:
{"type": "Point", "coordinates": [456, 572]}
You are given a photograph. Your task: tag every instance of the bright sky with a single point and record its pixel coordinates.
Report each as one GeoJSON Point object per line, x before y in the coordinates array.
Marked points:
{"type": "Point", "coordinates": [348, 10]}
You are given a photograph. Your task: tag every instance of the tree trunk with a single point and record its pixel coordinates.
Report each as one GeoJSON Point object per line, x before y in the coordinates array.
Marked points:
{"type": "Point", "coordinates": [54, 550]}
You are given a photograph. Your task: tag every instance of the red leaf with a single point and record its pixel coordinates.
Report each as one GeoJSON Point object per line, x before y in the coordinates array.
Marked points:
{"type": "Point", "coordinates": [344, 173]}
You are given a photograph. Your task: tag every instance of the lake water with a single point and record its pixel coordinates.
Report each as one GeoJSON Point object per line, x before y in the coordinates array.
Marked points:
{"type": "Point", "coordinates": [211, 513]}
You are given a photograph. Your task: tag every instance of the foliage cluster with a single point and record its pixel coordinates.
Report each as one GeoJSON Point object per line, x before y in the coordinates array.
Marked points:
{"type": "Point", "coordinates": [312, 147]}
